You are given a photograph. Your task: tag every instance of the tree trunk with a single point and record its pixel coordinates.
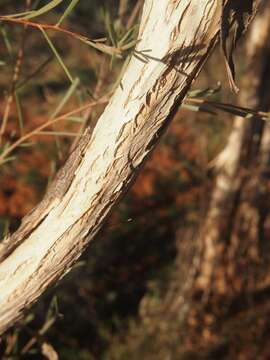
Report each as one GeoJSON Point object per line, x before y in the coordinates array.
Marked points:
{"type": "Point", "coordinates": [176, 38]}
{"type": "Point", "coordinates": [225, 302]}
{"type": "Point", "coordinates": [234, 225]}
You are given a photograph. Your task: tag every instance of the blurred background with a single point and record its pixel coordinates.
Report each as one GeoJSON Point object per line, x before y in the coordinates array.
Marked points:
{"type": "Point", "coordinates": [180, 271]}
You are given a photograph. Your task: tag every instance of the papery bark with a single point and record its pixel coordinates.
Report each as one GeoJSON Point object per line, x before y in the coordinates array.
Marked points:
{"type": "Point", "coordinates": [176, 37]}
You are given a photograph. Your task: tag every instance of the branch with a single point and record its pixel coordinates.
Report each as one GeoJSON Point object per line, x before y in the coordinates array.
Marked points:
{"type": "Point", "coordinates": [176, 38]}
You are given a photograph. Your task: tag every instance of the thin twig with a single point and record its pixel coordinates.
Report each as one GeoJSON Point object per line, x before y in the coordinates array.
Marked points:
{"type": "Point", "coordinates": [46, 326]}
{"type": "Point", "coordinates": [229, 108]}
{"type": "Point", "coordinates": [25, 137]}
{"type": "Point", "coordinates": [87, 115]}
{"type": "Point", "coordinates": [111, 50]}
{"type": "Point", "coordinates": [16, 74]}
{"type": "Point", "coordinates": [37, 71]}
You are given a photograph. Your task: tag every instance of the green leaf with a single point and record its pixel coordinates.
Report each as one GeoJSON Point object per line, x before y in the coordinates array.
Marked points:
{"type": "Point", "coordinates": [66, 97]}
{"type": "Point", "coordinates": [68, 10]}
{"type": "Point", "coordinates": [7, 41]}
{"type": "Point", "coordinates": [76, 119]}
{"type": "Point", "coordinates": [19, 15]}
{"type": "Point", "coordinates": [110, 28]}
{"type": "Point", "coordinates": [26, 144]}
{"type": "Point", "coordinates": [19, 111]}
{"type": "Point", "coordinates": [196, 108]}
{"type": "Point", "coordinates": [8, 159]}
{"type": "Point", "coordinates": [57, 55]}
{"type": "Point", "coordinates": [204, 92]}
{"type": "Point", "coordinates": [43, 9]}
{"type": "Point", "coordinates": [128, 35]}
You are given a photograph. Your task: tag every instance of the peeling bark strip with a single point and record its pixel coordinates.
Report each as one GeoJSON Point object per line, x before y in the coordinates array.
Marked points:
{"type": "Point", "coordinates": [176, 38]}
{"type": "Point", "coordinates": [236, 15]}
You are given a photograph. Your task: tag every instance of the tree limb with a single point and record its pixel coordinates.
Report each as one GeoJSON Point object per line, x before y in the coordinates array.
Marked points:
{"type": "Point", "coordinates": [176, 38]}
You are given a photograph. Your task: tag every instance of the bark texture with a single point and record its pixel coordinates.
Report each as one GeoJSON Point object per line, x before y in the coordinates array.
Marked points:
{"type": "Point", "coordinates": [176, 37]}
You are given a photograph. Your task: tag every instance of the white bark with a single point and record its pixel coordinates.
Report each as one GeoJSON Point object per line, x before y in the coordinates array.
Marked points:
{"type": "Point", "coordinates": [176, 38]}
